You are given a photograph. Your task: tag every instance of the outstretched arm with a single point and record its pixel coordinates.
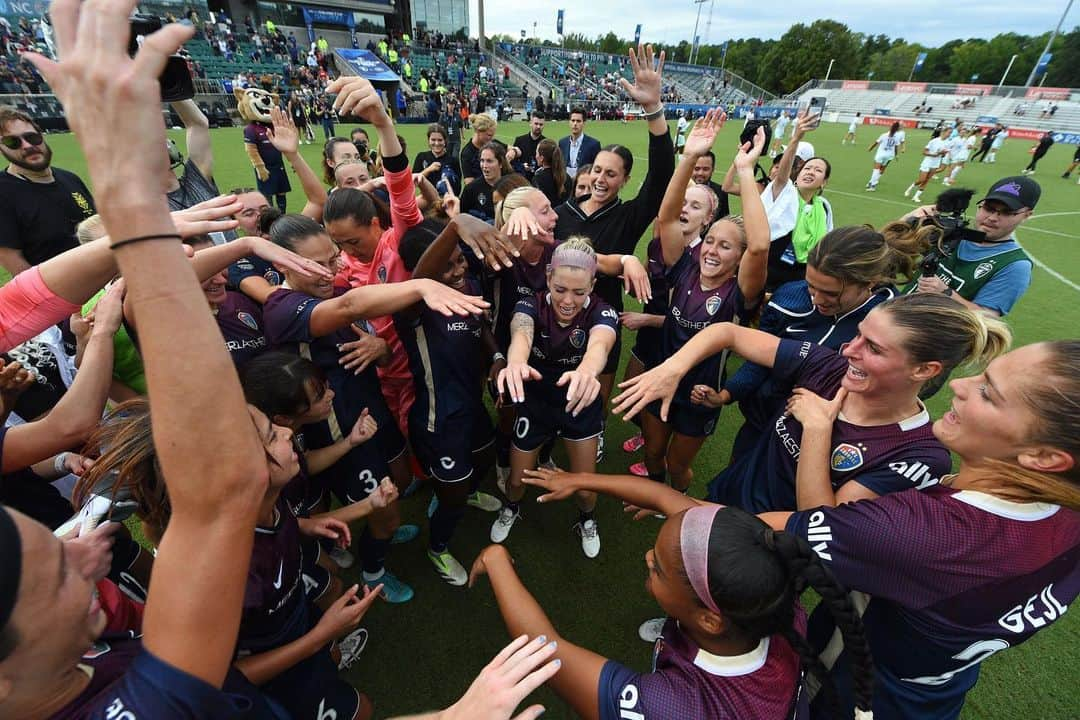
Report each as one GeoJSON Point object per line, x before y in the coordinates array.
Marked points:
{"type": "Point", "coordinates": [578, 682]}
{"type": "Point", "coordinates": [699, 142]}
{"type": "Point", "coordinates": [198, 136]}
{"type": "Point", "coordinates": [754, 265]}
{"type": "Point", "coordinates": [286, 138]}
{"type": "Point", "coordinates": [640, 492]}
{"type": "Point", "coordinates": [112, 106]}
{"type": "Point", "coordinates": [373, 301]}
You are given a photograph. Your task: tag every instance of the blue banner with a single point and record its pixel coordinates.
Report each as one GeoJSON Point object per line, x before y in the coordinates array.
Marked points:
{"type": "Point", "coordinates": [919, 60]}
{"type": "Point", "coordinates": [368, 65]}
{"type": "Point", "coordinates": [328, 17]}
{"type": "Point", "coordinates": [637, 35]}
{"type": "Point", "coordinates": [987, 119]}
{"type": "Point", "coordinates": [1040, 69]}
{"type": "Point", "coordinates": [558, 23]}
{"type": "Point", "coordinates": [1067, 138]}
{"type": "Point", "coordinates": [882, 111]}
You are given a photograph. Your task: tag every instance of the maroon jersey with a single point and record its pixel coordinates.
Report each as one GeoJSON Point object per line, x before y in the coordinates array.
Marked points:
{"type": "Point", "coordinates": [557, 348]}
{"type": "Point", "coordinates": [954, 577]}
{"type": "Point", "coordinates": [688, 682]}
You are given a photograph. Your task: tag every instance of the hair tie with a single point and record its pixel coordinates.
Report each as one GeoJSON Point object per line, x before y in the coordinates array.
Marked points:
{"type": "Point", "coordinates": [10, 565]}
{"type": "Point", "coordinates": [694, 542]}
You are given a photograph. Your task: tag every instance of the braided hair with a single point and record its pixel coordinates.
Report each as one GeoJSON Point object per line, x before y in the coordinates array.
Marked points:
{"type": "Point", "coordinates": [755, 576]}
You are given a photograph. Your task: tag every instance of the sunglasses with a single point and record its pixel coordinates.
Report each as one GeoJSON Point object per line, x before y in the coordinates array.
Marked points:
{"type": "Point", "coordinates": [14, 142]}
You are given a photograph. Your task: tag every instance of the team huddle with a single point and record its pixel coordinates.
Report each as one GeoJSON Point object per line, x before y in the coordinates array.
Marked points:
{"type": "Point", "coordinates": [270, 409]}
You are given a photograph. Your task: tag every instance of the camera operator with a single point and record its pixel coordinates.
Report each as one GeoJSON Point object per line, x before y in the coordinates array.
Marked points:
{"type": "Point", "coordinates": [987, 272]}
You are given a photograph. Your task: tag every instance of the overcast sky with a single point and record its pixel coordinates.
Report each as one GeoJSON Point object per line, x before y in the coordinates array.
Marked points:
{"type": "Point", "coordinates": [930, 22]}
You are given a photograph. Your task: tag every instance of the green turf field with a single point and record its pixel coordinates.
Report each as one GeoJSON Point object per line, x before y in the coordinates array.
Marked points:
{"type": "Point", "coordinates": [422, 655]}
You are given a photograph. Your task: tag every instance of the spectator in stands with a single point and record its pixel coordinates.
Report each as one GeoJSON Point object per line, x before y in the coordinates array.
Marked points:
{"type": "Point", "coordinates": [577, 148]}
{"type": "Point", "coordinates": [40, 206]}
{"type": "Point", "coordinates": [704, 168]}
{"type": "Point", "coordinates": [963, 275]}
{"type": "Point", "coordinates": [522, 155]}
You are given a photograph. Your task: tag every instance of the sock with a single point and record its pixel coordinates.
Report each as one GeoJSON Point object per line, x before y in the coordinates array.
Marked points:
{"type": "Point", "coordinates": [441, 526]}
{"type": "Point", "coordinates": [954, 173]}
{"type": "Point", "coordinates": [917, 196]}
{"type": "Point", "coordinates": [281, 203]}
{"type": "Point", "coordinates": [874, 177]}
{"type": "Point", "coordinates": [910, 188]}
{"type": "Point", "coordinates": [502, 448]}
{"type": "Point", "coordinates": [512, 506]}
{"type": "Point", "coordinates": [660, 477]}
{"type": "Point", "coordinates": [373, 554]}
{"type": "Point", "coordinates": [990, 157]}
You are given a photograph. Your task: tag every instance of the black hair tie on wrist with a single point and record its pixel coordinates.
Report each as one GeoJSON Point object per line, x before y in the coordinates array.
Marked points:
{"type": "Point", "coordinates": [141, 238]}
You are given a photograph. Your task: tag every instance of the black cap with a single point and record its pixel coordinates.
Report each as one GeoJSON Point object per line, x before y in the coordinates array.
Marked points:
{"type": "Point", "coordinates": [1016, 192]}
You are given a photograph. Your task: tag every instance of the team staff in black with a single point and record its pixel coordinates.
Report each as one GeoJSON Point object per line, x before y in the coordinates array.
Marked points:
{"type": "Point", "coordinates": [612, 226]}
{"type": "Point", "coordinates": [39, 205]}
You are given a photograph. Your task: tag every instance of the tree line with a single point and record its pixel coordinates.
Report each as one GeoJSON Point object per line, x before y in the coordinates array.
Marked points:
{"type": "Point", "coordinates": [804, 52]}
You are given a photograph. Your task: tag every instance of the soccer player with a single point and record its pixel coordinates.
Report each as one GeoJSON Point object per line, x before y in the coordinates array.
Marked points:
{"type": "Point", "coordinates": [887, 144]}
{"type": "Point", "coordinates": [782, 123]}
{"type": "Point", "coordinates": [449, 426]}
{"type": "Point", "coordinates": [314, 318]}
{"type": "Point", "coordinates": [682, 127]}
{"type": "Point", "coordinates": [611, 224]}
{"type": "Point", "coordinates": [849, 136]}
{"type": "Point", "coordinates": [933, 155]}
{"type": "Point", "coordinates": [883, 441]}
{"type": "Point", "coordinates": [733, 646]}
{"type": "Point", "coordinates": [849, 273]}
{"type": "Point", "coordinates": [559, 344]}
{"type": "Point", "coordinates": [1073, 164]}
{"type": "Point", "coordinates": [721, 281]}
{"type": "Point", "coordinates": [283, 646]}
{"type": "Point", "coordinates": [1038, 150]}
{"type": "Point", "coordinates": [958, 154]}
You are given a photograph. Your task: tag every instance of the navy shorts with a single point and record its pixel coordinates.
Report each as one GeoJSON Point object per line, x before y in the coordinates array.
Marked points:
{"type": "Point", "coordinates": [543, 416]}
{"type": "Point", "coordinates": [448, 452]}
{"type": "Point", "coordinates": [687, 419]}
{"type": "Point", "coordinates": [312, 689]}
{"type": "Point", "coordinates": [358, 473]}
{"type": "Point", "coordinates": [276, 184]}
{"type": "Point", "coordinates": [612, 364]}
{"type": "Point", "coordinates": [648, 346]}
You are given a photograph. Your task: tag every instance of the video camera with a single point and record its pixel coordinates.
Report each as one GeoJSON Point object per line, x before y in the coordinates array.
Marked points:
{"type": "Point", "coordinates": [952, 225]}
{"type": "Point", "coordinates": [176, 81]}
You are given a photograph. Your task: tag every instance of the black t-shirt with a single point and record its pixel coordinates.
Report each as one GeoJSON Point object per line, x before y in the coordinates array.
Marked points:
{"type": "Point", "coordinates": [724, 208]}
{"type": "Point", "coordinates": [39, 219]}
{"type": "Point", "coordinates": [544, 181]}
{"type": "Point", "coordinates": [450, 170]}
{"type": "Point", "coordinates": [470, 161]}
{"type": "Point", "coordinates": [527, 145]}
{"type": "Point", "coordinates": [476, 200]}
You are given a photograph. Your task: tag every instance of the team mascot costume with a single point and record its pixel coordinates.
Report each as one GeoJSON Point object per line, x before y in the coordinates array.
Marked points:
{"type": "Point", "coordinates": [254, 106]}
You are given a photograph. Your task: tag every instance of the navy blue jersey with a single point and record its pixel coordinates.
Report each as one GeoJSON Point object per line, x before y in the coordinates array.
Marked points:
{"type": "Point", "coordinates": [692, 309]}
{"type": "Point", "coordinates": [557, 348]}
{"type": "Point", "coordinates": [287, 316]}
{"type": "Point", "coordinates": [953, 577]}
{"type": "Point", "coordinates": [253, 267]}
{"type": "Point", "coordinates": [447, 362]}
{"type": "Point", "coordinates": [508, 286]}
{"type": "Point", "coordinates": [275, 611]}
{"type": "Point", "coordinates": [127, 682]}
{"type": "Point", "coordinates": [688, 682]}
{"type": "Point", "coordinates": [884, 458]}
{"type": "Point", "coordinates": [240, 320]}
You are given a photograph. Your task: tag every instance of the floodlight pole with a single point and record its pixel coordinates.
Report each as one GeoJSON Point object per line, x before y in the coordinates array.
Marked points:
{"type": "Point", "coordinates": [829, 71]}
{"type": "Point", "coordinates": [693, 39]}
{"type": "Point", "coordinates": [1053, 36]}
{"type": "Point", "coordinates": [1007, 69]}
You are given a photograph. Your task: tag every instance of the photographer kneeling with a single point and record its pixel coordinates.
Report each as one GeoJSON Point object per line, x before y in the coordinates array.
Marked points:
{"type": "Point", "coordinates": [984, 267]}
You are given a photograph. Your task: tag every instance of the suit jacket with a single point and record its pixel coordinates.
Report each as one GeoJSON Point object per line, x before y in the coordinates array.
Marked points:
{"type": "Point", "coordinates": [590, 147]}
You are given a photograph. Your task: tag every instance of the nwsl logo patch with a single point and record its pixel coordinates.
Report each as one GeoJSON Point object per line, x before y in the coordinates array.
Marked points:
{"type": "Point", "coordinates": [577, 338]}
{"type": "Point", "coordinates": [846, 457]}
{"type": "Point", "coordinates": [247, 320]}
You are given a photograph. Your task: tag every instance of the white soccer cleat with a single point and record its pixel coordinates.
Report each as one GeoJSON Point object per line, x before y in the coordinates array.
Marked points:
{"type": "Point", "coordinates": [590, 538]}
{"type": "Point", "coordinates": [500, 529]}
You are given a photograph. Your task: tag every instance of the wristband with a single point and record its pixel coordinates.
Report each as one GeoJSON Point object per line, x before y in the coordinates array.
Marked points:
{"type": "Point", "coordinates": [659, 112]}
{"type": "Point", "coordinates": [58, 463]}
{"type": "Point", "coordinates": [497, 357]}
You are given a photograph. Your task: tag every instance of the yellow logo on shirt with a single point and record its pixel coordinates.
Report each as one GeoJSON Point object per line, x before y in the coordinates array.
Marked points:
{"type": "Point", "coordinates": [82, 202]}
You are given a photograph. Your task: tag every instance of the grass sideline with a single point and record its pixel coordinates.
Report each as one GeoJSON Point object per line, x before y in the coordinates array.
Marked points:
{"type": "Point", "coordinates": [424, 654]}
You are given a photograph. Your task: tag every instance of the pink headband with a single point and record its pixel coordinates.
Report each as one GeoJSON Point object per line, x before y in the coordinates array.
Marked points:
{"type": "Point", "coordinates": [694, 539]}
{"type": "Point", "coordinates": [572, 257]}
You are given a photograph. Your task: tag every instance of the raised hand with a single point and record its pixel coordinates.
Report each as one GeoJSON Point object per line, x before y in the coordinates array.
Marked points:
{"type": "Point", "coordinates": [703, 134]}
{"type": "Point", "coordinates": [364, 429]}
{"type": "Point", "coordinates": [356, 96]}
{"type": "Point", "coordinates": [648, 72]}
{"type": "Point", "coordinates": [283, 135]}
{"type": "Point", "coordinates": [749, 152]}
{"type": "Point", "coordinates": [446, 300]}
{"type": "Point", "coordinates": [636, 279]}
{"type": "Point", "coordinates": [814, 411]}
{"type": "Point", "coordinates": [659, 383]}
{"type": "Point", "coordinates": [213, 215]}
{"type": "Point", "coordinates": [486, 242]}
{"type": "Point", "coordinates": [287, 259]}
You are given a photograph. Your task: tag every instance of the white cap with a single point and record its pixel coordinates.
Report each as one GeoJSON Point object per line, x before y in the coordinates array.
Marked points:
{"type": "Point", "coordinates": [805, 151]}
